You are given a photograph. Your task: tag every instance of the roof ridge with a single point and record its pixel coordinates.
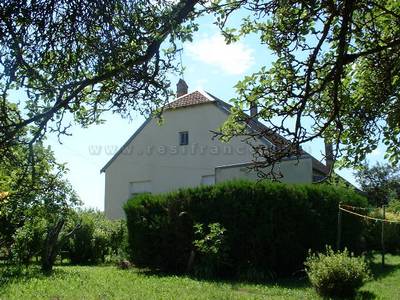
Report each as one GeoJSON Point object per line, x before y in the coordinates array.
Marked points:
{"type": "Point", "coordinates": [184, 95]}
{"type": "Point", "coordinates": [206, 94]}
{"type": "Point", "coordinates": [194, 98]}
{"type": "Point", "coordinates": [198, 97]}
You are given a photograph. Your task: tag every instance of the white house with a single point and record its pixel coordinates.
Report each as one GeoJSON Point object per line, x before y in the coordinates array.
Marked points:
{"type": "Point", "coordinates": [182, 153]}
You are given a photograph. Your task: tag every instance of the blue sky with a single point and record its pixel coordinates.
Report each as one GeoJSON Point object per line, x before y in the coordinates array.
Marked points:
{"type": "Point", "coordinates": [211, 65]}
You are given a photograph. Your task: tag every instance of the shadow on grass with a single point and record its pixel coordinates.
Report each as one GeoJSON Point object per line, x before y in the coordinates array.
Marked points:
{"type": "Point", "coordinates": [380, 271]}
{"type": "Point", "coordinates": [12, 274]}
{"type": "Point", "coordinates": [365, 295]}
{"type": "Point", "coordinates": [299, 283]}
{"type": "Point", "coordinates": [294, 282]}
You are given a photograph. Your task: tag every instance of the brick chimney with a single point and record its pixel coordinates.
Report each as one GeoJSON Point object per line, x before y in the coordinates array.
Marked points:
{"type": "Point", "coordinates": [253, 110]}
{"type": "Point", "coordinates": [328, 154]}
{"type": "Point", "coordinates": [181, 88]}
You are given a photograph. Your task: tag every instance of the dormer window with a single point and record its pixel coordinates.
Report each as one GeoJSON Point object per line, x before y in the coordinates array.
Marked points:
{"type": "Point", "coordinates": [183, 138]}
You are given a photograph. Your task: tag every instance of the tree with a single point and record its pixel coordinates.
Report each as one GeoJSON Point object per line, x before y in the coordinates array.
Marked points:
{"type": "Point", "coordinates": [381, 182]}
{"type": "Point", "coordinates": [83, 58]}
{"type": "Point", "coordinates": [36, 198]}
{"type": "Point", "coordinates": [57, 201]}
{"type": "Point", "coordinates": [23, 185]}
{"type": "Point", "coordinates": [335, 75]}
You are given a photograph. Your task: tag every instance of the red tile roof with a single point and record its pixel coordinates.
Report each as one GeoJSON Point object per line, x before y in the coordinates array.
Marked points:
{"type": "Point", "coordinates": [193, 98]}
{"type": "Point", "coordinates": [198, 97]}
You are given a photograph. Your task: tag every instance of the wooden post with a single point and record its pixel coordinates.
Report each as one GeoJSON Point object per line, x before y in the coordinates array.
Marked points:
{"type": "Point", "coordinates": [382, 236]}
{"type": "Point", "coordinates": [339, 229]}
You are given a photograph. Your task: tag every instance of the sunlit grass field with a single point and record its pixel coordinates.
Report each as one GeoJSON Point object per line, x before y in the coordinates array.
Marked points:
{"type": "Point", "coordinates": [108, 282]}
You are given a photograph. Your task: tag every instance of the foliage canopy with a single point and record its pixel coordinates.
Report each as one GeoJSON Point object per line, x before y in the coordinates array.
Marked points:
{"type": "Point", "coordinates": [380, 182]}
{"type": "Point", "coordinates": [335, 74]}
{"type": "Point", "coordinates": [83, 58]}
{"type": "Point", "coordinates": [335, 69]}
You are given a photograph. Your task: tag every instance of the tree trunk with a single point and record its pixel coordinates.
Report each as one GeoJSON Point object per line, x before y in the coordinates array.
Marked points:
{"type": "Point", "coordinates": [50, 247]}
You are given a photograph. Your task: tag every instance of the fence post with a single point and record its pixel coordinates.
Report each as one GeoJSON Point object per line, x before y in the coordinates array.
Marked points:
{"type": "Point", "coordinates": [339, 229]}
{"type": "Point", "coordinates": [382, 236]}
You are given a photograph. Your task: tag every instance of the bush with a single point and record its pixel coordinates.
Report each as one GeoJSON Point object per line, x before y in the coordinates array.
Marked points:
{"type": "Point", "coordinates": [373, 233]}
{"type": "Point", "coordinates": [211, 249]}
{"type": "Point", "coordinates": [87, 237]}
{"type": "Point", "coordinates": [270, 226]}
{"type": "Point", "coordinates": [336, 274]}
{"type": "Point", "coordinates": [29, 240]}
{"type": "Point", "coordinates": [394, 206]}
{"type": "Point", "coordinates": [93, 238]}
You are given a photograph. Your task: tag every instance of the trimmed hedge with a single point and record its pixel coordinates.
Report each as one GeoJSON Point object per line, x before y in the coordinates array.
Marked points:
{"type": "Point", "coordinates": [269, 226]}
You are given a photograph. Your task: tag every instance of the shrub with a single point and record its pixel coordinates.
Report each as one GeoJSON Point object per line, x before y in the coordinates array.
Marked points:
{"type": "Point", "coordinates": [119, 239]}
{"type": "Point", "coordinates": [270, 226]}
{"type": "Point", "coordinates": [93, 238]}
{"type": "Point", "coordinates": [336, 274]}
{"type": "Point", "coordinates": [211, 248]}
{"type": "Point", "coordinates": [87, 237]}
{"type": "Point", "coordinates": [29, 240]}
{"type": "Point", "coordinates": [394, 206]}
{"type": "Point", "coordinates": [373, 233]}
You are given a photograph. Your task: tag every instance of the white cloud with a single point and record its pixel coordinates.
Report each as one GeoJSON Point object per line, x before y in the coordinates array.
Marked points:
{"type": "Point", "coordinates": [200, 84]}
{"type": "Point", "coordinates": [233, 59]}
{"type": "Point", "coordinates": [376, 152]}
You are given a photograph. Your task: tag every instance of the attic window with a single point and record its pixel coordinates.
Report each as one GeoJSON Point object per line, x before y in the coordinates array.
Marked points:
{"type": "Point", "coordinates": [183, 138]}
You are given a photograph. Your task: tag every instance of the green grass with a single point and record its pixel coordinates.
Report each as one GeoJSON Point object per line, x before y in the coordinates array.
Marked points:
{"type": "Point", "coordinates": [386, 283]}
{"type": "Point", "coordinates": [108, 282]}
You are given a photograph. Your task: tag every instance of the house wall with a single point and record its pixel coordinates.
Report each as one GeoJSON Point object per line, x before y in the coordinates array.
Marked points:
{"type": "Point", "coordinates": [293, 171]}
{"type": "Point", "coordinates": [156, 156]}
{"type": "Point", "coordinates": [154, 160]}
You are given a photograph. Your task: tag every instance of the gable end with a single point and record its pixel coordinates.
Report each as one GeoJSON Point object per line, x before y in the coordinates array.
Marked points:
{"type": "Point", "coordinates": [125, 145]}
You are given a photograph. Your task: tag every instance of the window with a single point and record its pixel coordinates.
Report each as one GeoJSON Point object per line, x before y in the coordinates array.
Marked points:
{"type": "Point", "coordinates": [183, 138]}
{"type": "Point", "coordinates": [139, 187]}
{"type": "Point", "coordinates": [208, 180]}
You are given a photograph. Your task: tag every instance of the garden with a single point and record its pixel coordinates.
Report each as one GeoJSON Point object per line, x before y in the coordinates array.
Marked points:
{"type": "Point", "coordinates": [235, 240]}
{"type": "Point", "coordinates": [308, 70]}
{"type": "Point", "coordinates": [109, 282]}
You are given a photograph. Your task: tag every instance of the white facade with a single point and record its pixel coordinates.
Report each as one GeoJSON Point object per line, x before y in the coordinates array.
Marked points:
{"type": "Point", "coordinates": [154, 161]}
{"type": "Point", "coordinates": [293, 171]}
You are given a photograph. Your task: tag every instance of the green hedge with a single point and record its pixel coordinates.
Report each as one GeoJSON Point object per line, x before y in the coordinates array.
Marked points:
{"type": "Point", "coordinates": [269, 226]}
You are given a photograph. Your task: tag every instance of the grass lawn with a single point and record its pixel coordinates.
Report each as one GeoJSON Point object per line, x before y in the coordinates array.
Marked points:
{"type": "Point", "coordinates": [108, 282]}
